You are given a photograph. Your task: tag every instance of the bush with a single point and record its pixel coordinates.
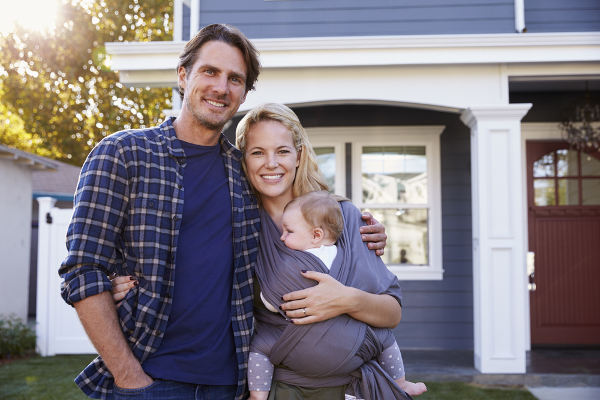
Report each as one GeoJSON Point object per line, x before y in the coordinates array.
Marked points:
{"type": "Point", "coordinates": [16, 338]}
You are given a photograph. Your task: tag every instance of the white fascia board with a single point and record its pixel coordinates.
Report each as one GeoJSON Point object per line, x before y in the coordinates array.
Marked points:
{"type": "Point", "coordinates": [144, 56]}
{"type": "Point", "coordinates": [135, 57]}
{"type": "Point", "coordinates": [419, 50]}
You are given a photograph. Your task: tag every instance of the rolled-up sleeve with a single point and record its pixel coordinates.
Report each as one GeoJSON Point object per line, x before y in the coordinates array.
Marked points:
{"type": "Point", "coordinates": [94, 234]}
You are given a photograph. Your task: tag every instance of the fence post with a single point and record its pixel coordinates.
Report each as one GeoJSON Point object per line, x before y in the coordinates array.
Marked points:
{"type": "Point", "coordinates": [43, 274]}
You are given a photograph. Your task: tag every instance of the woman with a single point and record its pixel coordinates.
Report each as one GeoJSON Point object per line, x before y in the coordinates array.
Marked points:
{"type": "Point", "coordinates": [280, 165]}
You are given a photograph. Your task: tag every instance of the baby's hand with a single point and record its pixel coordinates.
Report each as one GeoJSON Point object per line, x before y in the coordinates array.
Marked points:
{"type": "Point", "coordinates": [120, 286]}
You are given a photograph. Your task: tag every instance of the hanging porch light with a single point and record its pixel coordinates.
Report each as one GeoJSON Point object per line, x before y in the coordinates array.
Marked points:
{"type": "Point", "coordinates": [582, 128]}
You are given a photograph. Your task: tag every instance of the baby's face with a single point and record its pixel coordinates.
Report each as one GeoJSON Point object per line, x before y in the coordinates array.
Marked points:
{"type": "Point", "coordinates": [297, 234]}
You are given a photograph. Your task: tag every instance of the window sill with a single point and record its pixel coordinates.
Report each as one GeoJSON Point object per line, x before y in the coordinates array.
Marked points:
{"type": "Point", "coordinates": [417, 273]}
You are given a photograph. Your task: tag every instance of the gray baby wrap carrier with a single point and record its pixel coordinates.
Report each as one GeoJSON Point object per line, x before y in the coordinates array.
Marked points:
{"type": "Point", "coordinates": [341, 350]}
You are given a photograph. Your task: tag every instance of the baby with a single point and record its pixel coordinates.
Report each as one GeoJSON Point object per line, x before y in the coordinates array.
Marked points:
{"type": "Point", "coordinates": [313, 223]}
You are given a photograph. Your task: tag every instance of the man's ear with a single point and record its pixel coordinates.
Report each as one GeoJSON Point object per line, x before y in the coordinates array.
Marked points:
{"type": "Point", "coordinates": [181, 77]}
{"type": "Point", "coordinates": [244, 98]}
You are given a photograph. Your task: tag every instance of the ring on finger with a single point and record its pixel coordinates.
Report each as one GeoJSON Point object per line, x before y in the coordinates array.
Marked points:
{"type": "Point", "coordinates": [304, 311]}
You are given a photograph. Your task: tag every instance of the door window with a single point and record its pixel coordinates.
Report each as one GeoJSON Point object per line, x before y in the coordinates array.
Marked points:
{"type": "Point", "coordinates": [566, 177]}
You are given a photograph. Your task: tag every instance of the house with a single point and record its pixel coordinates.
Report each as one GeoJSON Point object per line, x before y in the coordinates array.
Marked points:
{"type": "Point", "coordinates": [16, 194]}
{"type": "Point", "coordinates": [442, 118]}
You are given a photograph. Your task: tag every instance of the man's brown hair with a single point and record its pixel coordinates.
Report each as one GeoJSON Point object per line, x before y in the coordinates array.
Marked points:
{"type": "Point", "coordinates": [226, 34]}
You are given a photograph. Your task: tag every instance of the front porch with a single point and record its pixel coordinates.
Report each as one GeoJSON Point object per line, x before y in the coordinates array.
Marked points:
{"type": "Point", "coordinates": [550, 367]}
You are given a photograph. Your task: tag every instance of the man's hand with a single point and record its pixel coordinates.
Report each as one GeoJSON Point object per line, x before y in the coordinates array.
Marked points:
{"type": "Point", "coordinates": [133, 379]}
{"type": "Point", "coordinates": [98, 316]}
{"type": "Point", "coordinates": [373, 233]}
{"type": "Point", "coordinates": [328, 299]}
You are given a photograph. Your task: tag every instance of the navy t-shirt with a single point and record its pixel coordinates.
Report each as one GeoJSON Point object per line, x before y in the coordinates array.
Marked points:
{"type": "Point", "coordinates": [198, 345]}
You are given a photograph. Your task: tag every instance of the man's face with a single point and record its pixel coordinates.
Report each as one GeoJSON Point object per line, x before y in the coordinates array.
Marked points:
{"type": "Point", "coordinates": [215, 86]}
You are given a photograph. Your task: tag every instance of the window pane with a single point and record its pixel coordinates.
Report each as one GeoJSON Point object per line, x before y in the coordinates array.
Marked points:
{"type": "Point", "coordinates": [326, 161]}
{"type": "Point", "coordinates": [407, 231]}
{"type": "Point", "coordinates": [544, 167]}
{"type": "Point", "coordinates": [590, 164]}
{"type": "Point", "coordinates": [566, 163]}
{"type": "Point", "coordinates": [544, 192]}
{"type": "Point", "coordinates": [591, 192]}
{"type": "Point", "coordinates": [394, 174]}
{"type": "Point", "coordinates": [568, 192]}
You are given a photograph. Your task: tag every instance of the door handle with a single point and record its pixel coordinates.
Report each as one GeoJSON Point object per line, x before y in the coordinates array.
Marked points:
{"type": "Point", "coordinates": [531, 271]}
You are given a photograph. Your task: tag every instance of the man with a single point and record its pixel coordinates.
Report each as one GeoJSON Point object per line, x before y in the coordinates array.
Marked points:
{"type": "Point", "coordinates": [170, 206]}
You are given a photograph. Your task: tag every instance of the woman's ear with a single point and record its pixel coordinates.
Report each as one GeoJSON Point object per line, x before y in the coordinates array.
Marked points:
{"type": "Point", "coordinates": [298, 157]}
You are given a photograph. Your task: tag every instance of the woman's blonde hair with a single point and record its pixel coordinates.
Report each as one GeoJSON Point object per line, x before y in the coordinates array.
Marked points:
{"type": "Point", "coordinates": [308, 178]}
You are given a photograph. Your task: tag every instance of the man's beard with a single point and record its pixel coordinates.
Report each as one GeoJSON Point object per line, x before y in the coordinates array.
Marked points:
{"type": "Point", "coordinates": [212, 125]}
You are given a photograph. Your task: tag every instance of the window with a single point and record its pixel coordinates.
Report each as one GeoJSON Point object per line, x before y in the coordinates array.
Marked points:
{"type": "Point", "coordinates": [395, 174]}
{"type": "Point", "coordinates": [565, 177]}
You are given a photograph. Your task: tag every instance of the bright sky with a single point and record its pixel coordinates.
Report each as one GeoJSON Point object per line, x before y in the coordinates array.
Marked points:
{"type": "Point", "coordinates": [31, 14]}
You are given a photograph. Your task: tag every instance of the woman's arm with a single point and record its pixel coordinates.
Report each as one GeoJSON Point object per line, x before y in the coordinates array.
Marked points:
{"type": "Point", "coordinates": [329, 298]}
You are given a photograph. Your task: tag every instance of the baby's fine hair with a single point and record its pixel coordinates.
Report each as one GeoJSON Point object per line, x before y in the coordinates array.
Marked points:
{"type": "Point", "coordinates": [321, 209]}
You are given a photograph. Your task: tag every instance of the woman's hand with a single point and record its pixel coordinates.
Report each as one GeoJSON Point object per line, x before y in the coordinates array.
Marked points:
{"type": "Point", "coordinates": [326, 300]}
{"type": "Point", "coordinates": [120, 286]}
{"type": "Point", "coordinates": [373, 233]}
{"type": "Point", "coordinates": [329, 298]}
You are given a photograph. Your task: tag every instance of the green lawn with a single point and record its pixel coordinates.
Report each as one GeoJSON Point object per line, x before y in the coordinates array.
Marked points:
{"type": "Point", "coordinates": [42, 378]}
{"type": "Point", "coordinates": [51, 378]}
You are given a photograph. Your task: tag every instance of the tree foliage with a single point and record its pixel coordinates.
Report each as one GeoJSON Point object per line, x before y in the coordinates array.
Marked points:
{"type": "Point", "coordinates": [58, 97]}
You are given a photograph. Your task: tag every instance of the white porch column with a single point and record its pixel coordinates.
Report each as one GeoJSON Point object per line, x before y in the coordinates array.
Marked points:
{"type": "Point", "coordinates": [499, 276]}
{"type": "Point", "coordinates": [194, 18]}
{"type": "Point", "coordinates": [177, 20]}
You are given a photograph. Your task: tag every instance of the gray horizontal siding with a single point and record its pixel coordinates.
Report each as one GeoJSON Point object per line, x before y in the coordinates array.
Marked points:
{"type": "Point", "coordinates": [436, 314]}
{"type": "Point", "coordinates": [306, 18]}
{"type": "Point", "coordinates": [562, 15]}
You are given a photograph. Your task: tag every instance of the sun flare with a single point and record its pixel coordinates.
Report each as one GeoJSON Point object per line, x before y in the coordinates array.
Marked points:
{"type": "Point", "coordinates": [37, 15]}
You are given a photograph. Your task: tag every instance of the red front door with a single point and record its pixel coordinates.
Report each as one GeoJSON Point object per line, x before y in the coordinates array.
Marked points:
{"type": "Point", "coordinates": [564, 234]}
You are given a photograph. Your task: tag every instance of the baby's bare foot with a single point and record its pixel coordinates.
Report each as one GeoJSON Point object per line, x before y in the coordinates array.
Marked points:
{"type": "Point", "coordinates": [412, 388]}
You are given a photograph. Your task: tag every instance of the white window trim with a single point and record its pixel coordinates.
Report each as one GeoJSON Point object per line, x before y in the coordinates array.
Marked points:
{"type": "Point", "coordinates": [429, 136]}
{"type": "Point", "coordinates": [321, 139]}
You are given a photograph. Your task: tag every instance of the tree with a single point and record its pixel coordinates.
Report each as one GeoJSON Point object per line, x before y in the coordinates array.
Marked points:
{"type": "Point", "coordinates": [58, 96]}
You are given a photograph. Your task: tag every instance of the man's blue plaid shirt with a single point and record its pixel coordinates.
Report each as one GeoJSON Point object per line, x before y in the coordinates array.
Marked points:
{"type": "Point", "coordinates": [128, 209]}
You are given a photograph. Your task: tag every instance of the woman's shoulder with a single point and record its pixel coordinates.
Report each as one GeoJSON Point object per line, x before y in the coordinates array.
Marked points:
{"type": "Point", "coordinates": [352, 214]}
{"type": "Point", "coordinates": [348, 208]}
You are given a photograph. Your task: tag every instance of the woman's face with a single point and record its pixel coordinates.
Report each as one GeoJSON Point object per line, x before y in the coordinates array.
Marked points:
{"type": "Point", "coordinates": [271, 160]}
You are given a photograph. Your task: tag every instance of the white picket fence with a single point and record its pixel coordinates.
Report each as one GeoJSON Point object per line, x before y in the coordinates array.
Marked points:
{"type": "Point", "coordinates": [57, 326]}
